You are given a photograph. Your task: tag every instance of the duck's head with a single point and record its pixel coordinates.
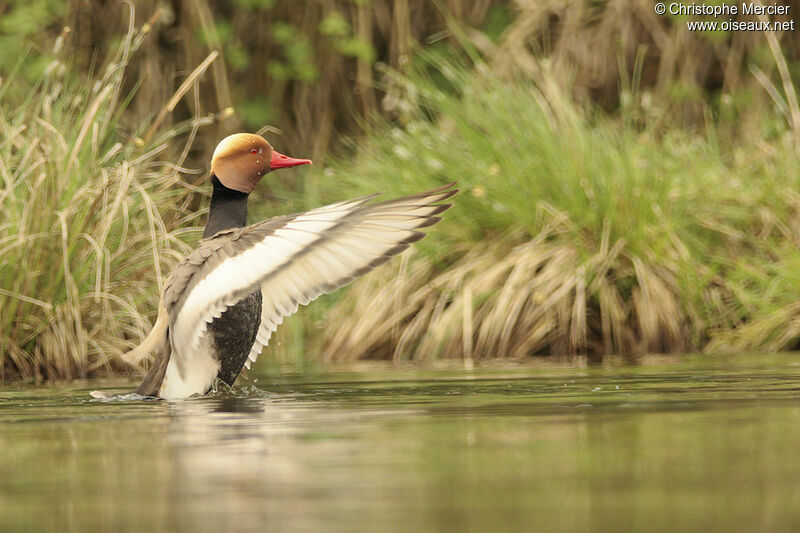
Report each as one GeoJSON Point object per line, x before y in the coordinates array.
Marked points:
{"type": "Point", "coordinates": [242, 159]}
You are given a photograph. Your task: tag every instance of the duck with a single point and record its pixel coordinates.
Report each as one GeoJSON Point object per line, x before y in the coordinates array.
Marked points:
{"type": "Point", "coordinates": [222, 302]}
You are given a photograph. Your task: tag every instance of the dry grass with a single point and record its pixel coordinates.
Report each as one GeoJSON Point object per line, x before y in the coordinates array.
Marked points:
{"type": "Point", "coordinates": [618, 53]}
{"type": "Point", "coordinates": [576, 234]}
{"type": "Point", "coordinates": [90, 220]}
{"type": "Point", "coordinates": [538, 297]}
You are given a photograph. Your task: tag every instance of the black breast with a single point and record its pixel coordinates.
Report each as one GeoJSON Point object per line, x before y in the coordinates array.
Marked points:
{"type": "Point", "coordinates": [233, 335]}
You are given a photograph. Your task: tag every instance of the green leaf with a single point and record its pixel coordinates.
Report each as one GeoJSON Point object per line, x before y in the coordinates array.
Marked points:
{"type": "Point", "coordinates": [358, 48]}
{"type": "Point", "coordinates": [278, 70]}
{"type": "Point", "coordinates": [335, 25]}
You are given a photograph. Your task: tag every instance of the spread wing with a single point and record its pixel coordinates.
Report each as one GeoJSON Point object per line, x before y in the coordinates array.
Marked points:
{"type": "Point", "coordinates": [293, 259]}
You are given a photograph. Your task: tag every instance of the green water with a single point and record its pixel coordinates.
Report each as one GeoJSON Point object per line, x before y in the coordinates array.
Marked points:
{"type": "Point", "coordinates": [705, 444]}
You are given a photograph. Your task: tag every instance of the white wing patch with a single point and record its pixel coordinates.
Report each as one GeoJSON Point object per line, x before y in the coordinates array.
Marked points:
{"type": "Point", "coordinates": [331, 264]}
{"type": "Point", "coordinates": [313, 254]}
{"type": "Point", "coordinates": [211, 296]}
{"type": "Point", "coordinates": [197, 377]}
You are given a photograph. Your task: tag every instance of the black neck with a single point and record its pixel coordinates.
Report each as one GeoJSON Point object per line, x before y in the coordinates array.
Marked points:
{"type": "Point", "coordinates": [228, 209]}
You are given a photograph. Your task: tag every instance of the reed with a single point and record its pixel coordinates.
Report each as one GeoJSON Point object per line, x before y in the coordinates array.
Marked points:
{"type": "Point", "coordinates": [575, 234]}
{"type": "Point", "coordinates": [90, 218]}
{"type": "Point", "coordinates": [666, 224]}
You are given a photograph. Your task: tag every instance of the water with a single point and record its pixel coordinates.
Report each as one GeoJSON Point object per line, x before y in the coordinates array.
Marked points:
{"type": "Point", "coordinates": [702, 444]}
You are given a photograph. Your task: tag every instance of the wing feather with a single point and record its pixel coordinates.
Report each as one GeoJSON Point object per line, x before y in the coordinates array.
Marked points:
{"type": "Point", "coordinates": [293, 260]}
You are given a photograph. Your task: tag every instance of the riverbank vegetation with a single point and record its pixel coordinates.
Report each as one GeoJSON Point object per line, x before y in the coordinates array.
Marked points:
{"type": "Point", "coordinates": [576, 233]}
{"type": "Point", "coordinates": [614, 200]}
{"type": "Point", "coordinates": [90, 220]}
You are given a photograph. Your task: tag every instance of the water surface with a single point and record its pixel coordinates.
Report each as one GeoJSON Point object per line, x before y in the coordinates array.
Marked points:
{"type": "Point", "coordinates": [702, 444]}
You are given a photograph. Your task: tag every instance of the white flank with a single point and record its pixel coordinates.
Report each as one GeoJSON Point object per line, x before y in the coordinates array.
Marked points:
{"type": "Point", "coordinates": [196, 378]}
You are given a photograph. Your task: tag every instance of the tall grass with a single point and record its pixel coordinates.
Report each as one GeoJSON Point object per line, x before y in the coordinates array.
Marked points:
{"type": "Point", "coordinates": [90, 218]}
{"type": "Point", "coordinates": [575, 234]}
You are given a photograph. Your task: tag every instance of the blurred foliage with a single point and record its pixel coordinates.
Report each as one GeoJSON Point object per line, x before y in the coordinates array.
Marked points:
{"type": "Point", "coordinates": [575, 233]}
{"type": "Point", "coordinates": [317, 69]}
{"type": "Point", "coordinates": [311, 69]}
{"type": "Point", "coordinates": [591, 138]}
{"type": "Point", "coordinates": [89, 219]}
{"type": "Point", "coordinates": [22, 23]}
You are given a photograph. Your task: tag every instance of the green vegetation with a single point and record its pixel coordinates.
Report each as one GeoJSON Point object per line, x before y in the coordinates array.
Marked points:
{"type": "Point", "coordinates": [608, 206]}
{"type": "Point", "coordinates": [308, 68]}
{"type": "Point", "coordinates": [89, 221]}
{"type": "Point", "coordinates": [575, 233]}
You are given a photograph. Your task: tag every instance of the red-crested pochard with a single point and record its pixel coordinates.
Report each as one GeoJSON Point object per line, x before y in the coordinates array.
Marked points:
{"type": "Point", "coordinates": [222, 302]}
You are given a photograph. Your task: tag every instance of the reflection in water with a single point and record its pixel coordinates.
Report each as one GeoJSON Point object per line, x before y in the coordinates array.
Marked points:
{"type": "Point", "coordinates": [237, 405]}
{"type": "Point", "coordinates": [259, 461]}
{"type": "Point", "coordinates": [685, 447]}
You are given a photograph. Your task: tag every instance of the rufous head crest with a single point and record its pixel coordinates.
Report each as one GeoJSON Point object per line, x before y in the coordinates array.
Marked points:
{"type": "Point", "coordinates": [242, 159]}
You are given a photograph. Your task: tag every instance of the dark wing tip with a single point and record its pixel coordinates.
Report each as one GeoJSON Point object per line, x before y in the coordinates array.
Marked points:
{"type": "Point", "coordinates": [443, 188]}
{"type": "Point", "coordinates": [449, 194]}
{"type": "Point", "coordinates": [440, 193]}
{"type": "Point", "coordinates": [430, 221]}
